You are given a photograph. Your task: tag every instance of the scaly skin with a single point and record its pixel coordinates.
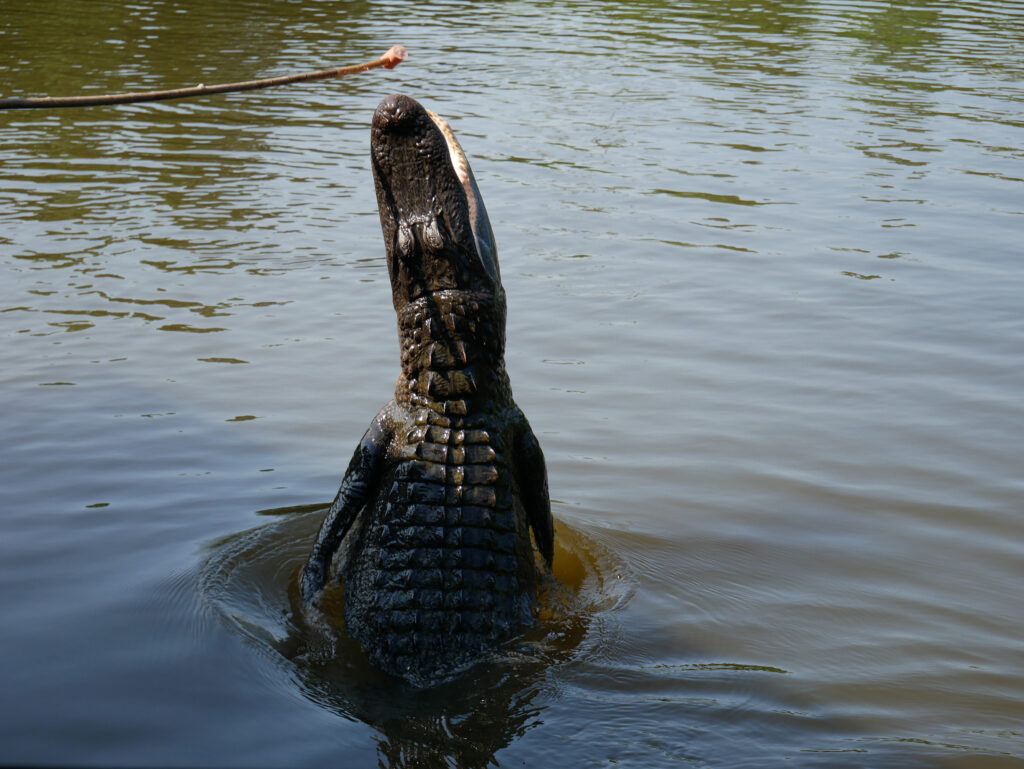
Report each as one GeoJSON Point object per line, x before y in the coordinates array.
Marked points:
{"type": "Point", "coordinates": [437, 504]}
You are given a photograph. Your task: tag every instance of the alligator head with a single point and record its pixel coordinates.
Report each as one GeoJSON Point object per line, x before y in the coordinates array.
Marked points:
{"type": "Point", "coordinates": [442, 259]}
{"type": "Point", "coordinates": [435, 225]}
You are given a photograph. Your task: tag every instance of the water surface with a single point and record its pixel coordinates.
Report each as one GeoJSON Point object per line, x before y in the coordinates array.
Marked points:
{"type": "Point", "coordinates": [762, 263]}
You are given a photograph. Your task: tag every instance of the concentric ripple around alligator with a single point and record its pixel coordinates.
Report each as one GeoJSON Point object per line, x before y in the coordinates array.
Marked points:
{"type": "Point", "coordinates": [251, 580]}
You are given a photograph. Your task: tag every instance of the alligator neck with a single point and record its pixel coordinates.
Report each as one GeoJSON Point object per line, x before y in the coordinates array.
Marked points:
{"type": "Point", "coordinates": [453, 352]}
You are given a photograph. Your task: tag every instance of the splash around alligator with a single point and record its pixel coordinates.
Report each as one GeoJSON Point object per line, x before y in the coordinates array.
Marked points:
{"type": "Point", "coordinates": [431, 527]}
{"type": "Point", "coordinates": [250, 581]}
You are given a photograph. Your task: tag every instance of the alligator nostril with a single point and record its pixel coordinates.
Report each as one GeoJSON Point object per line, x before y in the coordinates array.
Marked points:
{"type": "Point", "coordinates": [395, 112]}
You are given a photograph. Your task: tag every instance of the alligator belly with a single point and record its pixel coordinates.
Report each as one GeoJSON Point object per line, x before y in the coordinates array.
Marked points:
{"type": "Point", "coordinates": [447, 564]}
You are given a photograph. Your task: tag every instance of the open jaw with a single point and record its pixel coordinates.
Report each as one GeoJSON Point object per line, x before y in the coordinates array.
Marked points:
{"type": "Point", "coordinates": [435, 225]}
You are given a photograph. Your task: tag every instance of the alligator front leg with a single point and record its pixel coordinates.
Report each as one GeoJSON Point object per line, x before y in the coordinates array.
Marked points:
{"type": "Point", "coordinates": [357, 488]}
{"type": "Point", "coordinates": [532, 479]}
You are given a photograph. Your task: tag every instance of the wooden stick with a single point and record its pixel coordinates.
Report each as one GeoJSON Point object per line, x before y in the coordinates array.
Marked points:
{"type": "Point", "coordinates": [389, 60]}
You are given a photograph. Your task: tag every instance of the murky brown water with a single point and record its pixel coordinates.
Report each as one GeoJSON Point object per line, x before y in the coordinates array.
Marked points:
{"type": "Point", "coordinates": [763, 271]}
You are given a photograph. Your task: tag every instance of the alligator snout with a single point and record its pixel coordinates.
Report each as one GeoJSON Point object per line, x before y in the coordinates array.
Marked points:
{"type": "Point", "coordinates": [398, 113]}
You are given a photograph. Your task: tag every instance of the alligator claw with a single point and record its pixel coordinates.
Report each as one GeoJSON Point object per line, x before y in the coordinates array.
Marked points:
{"type": "Point", "coordinates": [311, 583]}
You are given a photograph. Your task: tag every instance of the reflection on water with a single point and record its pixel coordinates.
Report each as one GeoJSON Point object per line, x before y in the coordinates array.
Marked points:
{"type": "Point", "coordinates": [251, 580]}
{"type": "Point", "coordinates": [778, 243]}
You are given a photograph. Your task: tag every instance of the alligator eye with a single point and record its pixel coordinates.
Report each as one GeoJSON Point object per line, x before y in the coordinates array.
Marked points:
{"type": "Point", "coordinates": [406, 241]}
{"type": "Point", "coordinates": [432, 236]}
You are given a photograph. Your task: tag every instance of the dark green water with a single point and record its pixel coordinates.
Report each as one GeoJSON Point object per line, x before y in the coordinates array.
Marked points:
{"type": "Point", "coordinates": [763, 263]}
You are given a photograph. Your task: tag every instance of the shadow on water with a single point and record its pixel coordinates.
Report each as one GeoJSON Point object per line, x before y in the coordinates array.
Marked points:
{"type": "Point", "coordinates": [251, 580]}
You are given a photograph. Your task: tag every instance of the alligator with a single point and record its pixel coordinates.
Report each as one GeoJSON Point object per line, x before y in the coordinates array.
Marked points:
{"type": "Point", "coordinates": [434, 515]}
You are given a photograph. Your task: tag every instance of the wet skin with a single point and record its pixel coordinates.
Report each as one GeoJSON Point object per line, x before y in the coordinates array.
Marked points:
{"type": "Point", "coordinates": [435, 512]}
